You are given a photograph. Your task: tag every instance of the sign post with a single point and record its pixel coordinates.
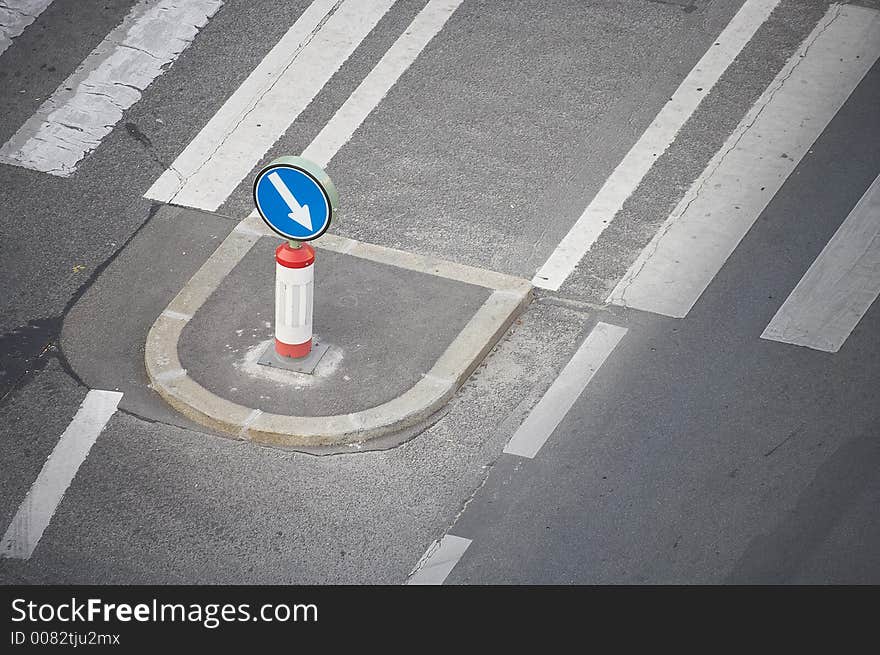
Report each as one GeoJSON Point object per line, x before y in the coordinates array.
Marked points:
{"type": "Point", "coordinates": [296, 199]}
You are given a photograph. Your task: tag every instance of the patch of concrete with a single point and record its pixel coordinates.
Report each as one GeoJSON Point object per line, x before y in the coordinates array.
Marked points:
{"type": "Point", "coordinates": [508, 297]}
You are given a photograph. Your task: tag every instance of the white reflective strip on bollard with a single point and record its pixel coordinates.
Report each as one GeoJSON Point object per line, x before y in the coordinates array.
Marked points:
{"type": "Point", "coordinates": [294, 297]}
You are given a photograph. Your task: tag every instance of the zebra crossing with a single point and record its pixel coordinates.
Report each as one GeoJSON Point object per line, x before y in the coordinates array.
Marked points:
{"type": "Point", "coordinates": [291, 75]}
{"type": "Point", "coordinates": [36, 510]}
{"type": "Point", "coordinates": [668, 278]}
{"type": "Point", "coordinates": [88, 105]}
{"type": "Point", "coordinates": [674, 270]}
{"type": "Point", "coordinates": [247, 125]}
{"type": "Point", "coordinates": [840, 285]}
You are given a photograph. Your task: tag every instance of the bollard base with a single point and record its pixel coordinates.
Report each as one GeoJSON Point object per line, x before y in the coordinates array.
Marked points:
{"type": "Point", "coordinates": [306, 364]}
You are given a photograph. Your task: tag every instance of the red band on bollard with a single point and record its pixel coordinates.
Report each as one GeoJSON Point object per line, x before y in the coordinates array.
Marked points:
{"type": "Point", "coordinates": [296, 350]}
{"type": "Point", "coordinates": [295, 257]}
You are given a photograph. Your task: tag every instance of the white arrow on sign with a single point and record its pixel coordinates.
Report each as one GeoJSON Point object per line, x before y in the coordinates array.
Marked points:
{"type": "Point", "coordinates": [299, 213]}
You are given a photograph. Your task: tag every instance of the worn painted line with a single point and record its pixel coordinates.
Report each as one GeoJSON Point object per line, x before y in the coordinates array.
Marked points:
{"type": "Point", "coordinates": [38, 507]}
{"type": "Point", "coordinates": [176, 315]}
{"type": "Point", "coordinates": [86, 106]}
{"type": "Point", "coordinates": [439, 560]}
{"type": "Point", "coordinates": [267, 103]}
{"type": "Point", "coordinates": [630, 172]}
{"type": "Point", "coordinates": [15, 16]}
{"type": "Point", "coordinates": [565, 390]}
{"type": "Point", "coordinates": [840, 285]}
{"type": "Point", "coordinates": [681, 260]}
{"type": "Point", "coordinates": [376, 85]}
{"type": "Point", "coordinates": [253, 226]}
{"type": "Point", "coordinates": [423, 264]}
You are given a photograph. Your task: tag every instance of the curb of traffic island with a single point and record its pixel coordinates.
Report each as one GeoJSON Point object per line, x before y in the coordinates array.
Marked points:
{"type": "Point", "coordinates": [509, 297]}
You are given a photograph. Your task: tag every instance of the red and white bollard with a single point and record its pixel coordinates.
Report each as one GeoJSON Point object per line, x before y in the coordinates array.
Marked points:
{"type": "Point", "coordinates": [294, 299]}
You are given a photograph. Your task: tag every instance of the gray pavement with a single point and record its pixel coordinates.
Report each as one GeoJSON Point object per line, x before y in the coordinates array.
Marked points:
{"type": "Point", "coordinates": [391, 322]}
{"type": "Point", "coordinates": [386, 327]}
{"type": "Point", "coordinates": [33, 417]}
{"type": "Point", "coordinates": [699, 453]}
{"type": "Point", "coordinates": [154, 503]}
{"type": "Point", "coordinates": [506, 125]}
{"type": "Point", "coordinates": [104, 332]}
{"type": "Point", "coordinates": [52, 225]}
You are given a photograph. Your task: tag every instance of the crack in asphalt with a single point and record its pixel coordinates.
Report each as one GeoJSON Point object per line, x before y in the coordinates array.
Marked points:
{"type": "Point", "coordinates": [16, 10]}
{"type": "Point", "coordinates": [436, 543]}
{"type": "Point", "coordinates": [46, 331]}
{"type": "Point", "coordinates": [138, 135]}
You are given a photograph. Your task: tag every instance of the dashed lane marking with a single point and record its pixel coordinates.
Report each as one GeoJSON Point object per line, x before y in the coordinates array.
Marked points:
{"type": "Point", "coordinates": [565, 390]}
{"type": "Point", "coordinates": [38, 507]}
{"type": "Point", "coordinates": [439, 560]}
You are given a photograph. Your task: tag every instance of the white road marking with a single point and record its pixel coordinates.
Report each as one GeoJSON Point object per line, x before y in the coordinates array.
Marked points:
{"type": "Point", "coordinates": [267, 102]}
{"type": "Point", "coordinates": [840, 285]}
{"type": "Point", "coordinates": [86, 107]}
{"type": "Point", "coordinates": [439, 560]}
{"type": "Point", "coordinates": [624, 180]}
{"type": "Point", "coordinates": [376, 85]}
{"type": "Point", "coordinates": [15, 16]}
{"type": "Point", "coordinates": [38, 507]}
{"type": "Point", "coordinates": [565, 390]}
{"type": "Point", "coordinates": [674, 269]}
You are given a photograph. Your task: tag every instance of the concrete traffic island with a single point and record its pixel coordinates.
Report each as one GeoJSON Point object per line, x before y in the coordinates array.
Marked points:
{"type": "Point", "coordinates": [404, 333]}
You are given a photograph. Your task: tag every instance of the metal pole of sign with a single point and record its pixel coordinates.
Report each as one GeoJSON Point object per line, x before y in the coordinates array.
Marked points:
{"type": "Point", "coordinates": [294, 298]}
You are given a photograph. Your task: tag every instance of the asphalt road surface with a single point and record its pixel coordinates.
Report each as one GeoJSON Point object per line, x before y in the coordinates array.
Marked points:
{"type": "Point", "coordinates": [692, 396]}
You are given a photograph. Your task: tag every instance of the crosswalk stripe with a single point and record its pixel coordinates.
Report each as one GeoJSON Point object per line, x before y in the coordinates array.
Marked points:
{"type": "Point", "coordinates": [840, 285]}
{"type": "Point", "coordinates": [681, 260]}
{"type": "Point", "coordinates": [36, 510]}
{"type": "Point", "coordinates": [267, 102]}
{"type": "Point", "coordinates": [86, 106]}
{"type": "Point", "coordinates": [15, 16]}
{"type": "Point", "coordinates": [627, 176]}
{"type": "Point", "coordinates": [565, 390]}
{"type": "Point", "coordinates": [384, 75]}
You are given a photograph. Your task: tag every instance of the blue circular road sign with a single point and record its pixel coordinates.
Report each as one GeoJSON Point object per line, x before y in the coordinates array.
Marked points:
{"type": "Point", "coordinates": [295, 198]}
